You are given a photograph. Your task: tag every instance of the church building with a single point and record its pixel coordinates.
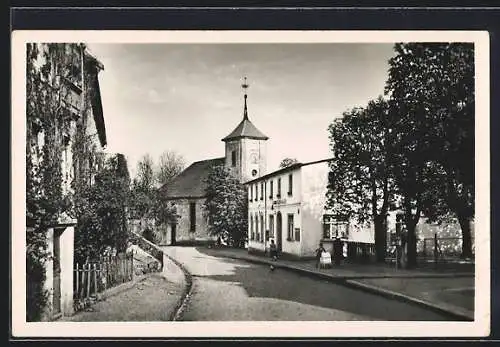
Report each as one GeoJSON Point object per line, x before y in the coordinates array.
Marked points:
{"type": "Point", "coordinates": [245, 156]}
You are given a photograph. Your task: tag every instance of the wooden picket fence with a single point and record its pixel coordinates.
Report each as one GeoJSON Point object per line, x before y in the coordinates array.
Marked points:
{"type": "Point", "coordinates": [93, 278]}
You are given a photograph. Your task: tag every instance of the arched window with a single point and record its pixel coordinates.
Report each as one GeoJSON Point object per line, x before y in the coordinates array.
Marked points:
{"type": "Point", "coordinates": [233, 158]}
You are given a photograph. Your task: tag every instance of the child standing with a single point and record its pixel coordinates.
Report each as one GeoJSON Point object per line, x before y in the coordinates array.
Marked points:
{"type": "Point", "coordinates": [319, 251]}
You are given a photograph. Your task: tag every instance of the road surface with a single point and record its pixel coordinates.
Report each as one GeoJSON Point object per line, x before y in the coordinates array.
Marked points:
{"type": "Point", "coordinates": [233, 290]}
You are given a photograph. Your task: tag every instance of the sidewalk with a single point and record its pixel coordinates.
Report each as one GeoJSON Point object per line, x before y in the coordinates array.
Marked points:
{"type": "Point", "coordinates": [154, 298]}
{"type": "Point", "coordinates": [444, 291]}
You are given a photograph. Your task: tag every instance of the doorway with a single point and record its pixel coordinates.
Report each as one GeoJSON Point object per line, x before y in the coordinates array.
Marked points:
{"type": "Point", "coordinates": [278, 232]}
{"type": "Point", "coordinates": [173, 230]}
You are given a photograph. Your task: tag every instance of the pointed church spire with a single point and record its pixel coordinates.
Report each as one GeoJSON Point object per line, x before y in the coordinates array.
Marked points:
{"type": "Point", "coordinates": [245, 129]}
{"type": "Point", "coordinates": [245, 87]}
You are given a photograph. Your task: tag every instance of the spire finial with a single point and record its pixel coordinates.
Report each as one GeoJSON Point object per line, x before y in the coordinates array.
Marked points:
{"type": "Point", "coordinates": [245, 86]}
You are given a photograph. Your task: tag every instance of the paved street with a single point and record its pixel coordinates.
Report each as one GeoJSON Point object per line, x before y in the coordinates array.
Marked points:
{"type": "Point", "coordinates": [449, 287]}
{"type": "Point", "coordinates": [229, 289]}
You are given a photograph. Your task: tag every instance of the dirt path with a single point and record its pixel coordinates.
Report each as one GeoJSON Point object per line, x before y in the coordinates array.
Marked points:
{"type": "Point", "coordinates": [153, 299]}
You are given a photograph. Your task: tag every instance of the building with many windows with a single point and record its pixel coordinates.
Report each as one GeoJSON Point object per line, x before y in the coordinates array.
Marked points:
{"type": "Point", "coordinates": [288, 206]}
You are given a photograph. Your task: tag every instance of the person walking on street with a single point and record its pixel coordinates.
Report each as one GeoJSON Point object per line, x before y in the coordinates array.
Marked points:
{"type": "Point", "coordinates": [273, 250]}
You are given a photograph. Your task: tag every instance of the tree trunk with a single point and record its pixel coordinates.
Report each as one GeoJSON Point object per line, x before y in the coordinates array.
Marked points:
{"type": "Point", "coordinates": [411, 241]}
{"type": "Point", "coordinates": [380, 224]}
{"type": "Point", "coordinates": [464, 221]}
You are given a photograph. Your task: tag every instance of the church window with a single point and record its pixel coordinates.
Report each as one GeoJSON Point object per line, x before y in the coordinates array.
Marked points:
{"type": "Point", "coordinates": [262, 191]}
{"type": "Point", "coordinates": [270, 189]}
{"type": "Point", "coordinates": [290, 184]}
{"type": "Point", "coordinates": [192, 216]}
{"type": "Point", "coordinates": [233, 158]}
{"type": "Point", "coordinates": [250, 192]}
{"type": "Point", "coordinates": [279, 188]}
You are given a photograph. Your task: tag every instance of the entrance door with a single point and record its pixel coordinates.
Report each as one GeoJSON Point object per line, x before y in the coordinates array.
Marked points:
{"type": "Point", "coordinates": [173, 229]}
{"type": "Point", "coordinates": [278, 231]}
{"type": "Point", "coordinates": [56, 266]}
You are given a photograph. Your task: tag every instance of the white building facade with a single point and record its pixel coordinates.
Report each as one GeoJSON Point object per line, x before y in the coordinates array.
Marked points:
{"type": "Point", "coordinates": [288, 206]}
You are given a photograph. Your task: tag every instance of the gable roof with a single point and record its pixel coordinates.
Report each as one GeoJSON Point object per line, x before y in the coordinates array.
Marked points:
{"type": "Point", "coordinates": [288, 168]}
{"type": "Point", "coordinates": [245, 129]}
{"type": "Point", "coordinates": [190, 183]}
{"type": "Point", "coordinates": [95, 66]}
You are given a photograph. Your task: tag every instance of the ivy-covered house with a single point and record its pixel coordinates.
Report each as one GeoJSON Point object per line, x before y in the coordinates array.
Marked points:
{"type": "Point", "coordinates": [65, 133]}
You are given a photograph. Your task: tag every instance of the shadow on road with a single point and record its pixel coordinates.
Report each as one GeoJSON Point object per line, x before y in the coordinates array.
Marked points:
{"type": "Point", "coordinates": [260, 281]}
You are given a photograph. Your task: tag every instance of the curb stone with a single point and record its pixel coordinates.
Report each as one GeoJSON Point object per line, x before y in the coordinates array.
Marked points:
{"type": "Point", "coordinates": [460, 314]}
{"type": "Point", "coordinates": [176, 314]}
{"type": "Point", "coordinates": [350, 282]}
{"type": "Point", "coordinates": [187, 292]}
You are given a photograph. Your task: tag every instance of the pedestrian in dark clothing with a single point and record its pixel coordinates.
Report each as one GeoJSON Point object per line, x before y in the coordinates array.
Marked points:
{"type": "Point", "coordinates": [273, 250]}
{"type": "Point", "coordinates": [337, 250]}
{"type": "Point", "coordinates": [318, 252]}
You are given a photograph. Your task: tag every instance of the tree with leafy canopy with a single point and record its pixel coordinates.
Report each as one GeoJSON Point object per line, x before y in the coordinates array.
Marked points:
{"type": "Point", "coordinates": [431, 89]}
{"type": "Point", "coordinates": [102, 211]}
{"type": "Point", "coordinates": [286, 162]}
{"type": "Point", "coordinates": [360, 184]}
{"type": "Point", "coordinates": [147, 204]}
{"type": "Point", "coordinates": [170, 165]}
{"type": "Point", "coordinates": [226, 206]}
{"type": "Point", "coordinates": [143, 187]}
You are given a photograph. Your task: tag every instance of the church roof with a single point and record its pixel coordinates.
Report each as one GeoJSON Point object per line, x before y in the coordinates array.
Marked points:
{"type": "Point", "coordinates": [190, 183]}
{"type": "Point", "coordinates": [245, 129]}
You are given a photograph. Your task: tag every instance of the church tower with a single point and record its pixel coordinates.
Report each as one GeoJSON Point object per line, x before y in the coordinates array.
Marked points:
{"type": "Point", "coordinates": [246, 147]}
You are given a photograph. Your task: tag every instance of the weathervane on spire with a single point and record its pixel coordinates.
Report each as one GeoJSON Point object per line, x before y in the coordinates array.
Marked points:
{"type": "Point", "coordinates": [245, 86]}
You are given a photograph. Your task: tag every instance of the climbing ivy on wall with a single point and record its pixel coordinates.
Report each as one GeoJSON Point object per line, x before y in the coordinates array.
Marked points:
{"type": "Point", "coordinates": [48, 124]}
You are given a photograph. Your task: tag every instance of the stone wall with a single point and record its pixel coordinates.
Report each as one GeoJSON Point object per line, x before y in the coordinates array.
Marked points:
{"type": "Point", "coordinates": [183, 228]}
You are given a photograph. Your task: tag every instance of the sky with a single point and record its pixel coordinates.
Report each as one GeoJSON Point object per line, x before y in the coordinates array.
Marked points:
{"type": "Point", "coordinates": [187, 97]}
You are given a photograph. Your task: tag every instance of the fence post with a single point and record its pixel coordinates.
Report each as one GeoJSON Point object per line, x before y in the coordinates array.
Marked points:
{"type": "Point", "coordinates": [435, 250]}
{"type": "Point", "coordinates": [77, 280]}
{"type": "Point", "coordinates": [88, 280]}
{"type": "Point", "coordinates": [125, 267]}
{"type": "Point", "coordinates": [81, 294]}
{"type": "Point", "coordinates": [132, 264]}
{"type": "Point", "coordinates": [95, 279]}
